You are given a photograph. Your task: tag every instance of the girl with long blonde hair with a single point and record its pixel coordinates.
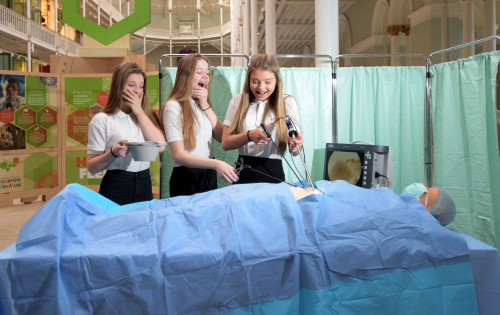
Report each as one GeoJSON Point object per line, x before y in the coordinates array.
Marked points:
{"type": "Point", "coordinates": [262, 102]}
{"type": "Point", "coordinates": [190, 125]}
{"type": "Point", "coordinates": [127, 116]}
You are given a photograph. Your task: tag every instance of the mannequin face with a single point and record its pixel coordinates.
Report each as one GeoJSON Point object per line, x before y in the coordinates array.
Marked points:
{"type": "Point", "coordinates": [262, 84]}
{"type": "Point", "coordinates": [201, 75]}
{"type": "Point", "coordinates": [433, 194]}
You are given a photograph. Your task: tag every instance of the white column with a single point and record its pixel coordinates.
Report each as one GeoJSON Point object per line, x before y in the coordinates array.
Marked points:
{"type": "Point", "coordinates": [467, 27]}
{"type": "Point", "coordinates": [98, 12]}
{"type": "Point", "coordinates": [170, 27]}
{"type": "Point", "coordinates": [395, 50]}
{"type": "Point", "coordinates": [246, 27]}
{"type": "Point", "coordinates": [270, 25]}
{"type": "Point", "coordinates": [28, 48]}
{"type": "Point", "coordinates": [144, 41]}
{"type": "Point", "coordinates": [394, 30]}
{"type": "Point", "coordinates": [198, 9]}
{"type": "Point", "coordinates": [221, 35]}
{"type": "Point", "coordinates": [445, 30]}
{"type": "Point", "coordinates": [254, 28]}
{"type": "Point", "coordinates": [326, 28]}
{"type": "Point", "coordinates": [235, 34]}
{"type": "Point", "coordinates": [55, 16]}
{"type": "Point", "coordinates": [489, 25]}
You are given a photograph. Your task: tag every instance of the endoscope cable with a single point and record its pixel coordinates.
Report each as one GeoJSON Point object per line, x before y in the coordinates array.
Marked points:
{"type": "Point", "coordinates": [281, 154]}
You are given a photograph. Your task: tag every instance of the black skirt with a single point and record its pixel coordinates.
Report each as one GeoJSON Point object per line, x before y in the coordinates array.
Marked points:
{"type": "Point", "coordinates": [186, 181]}
{"type": "Point", "coordinates": [125, 187]}
{"type": "Point", "coordinates": [262, 170]}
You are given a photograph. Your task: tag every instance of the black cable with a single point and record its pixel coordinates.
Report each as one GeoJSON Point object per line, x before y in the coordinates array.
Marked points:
{"type": "Point", "coordinates": [279, 151]}
{"type": "Point", "coordinates": [377, 175]}
{"type": "Point", "coordinates": [295, 124]}
{"type": "Point", "coordinates": [283, 181]}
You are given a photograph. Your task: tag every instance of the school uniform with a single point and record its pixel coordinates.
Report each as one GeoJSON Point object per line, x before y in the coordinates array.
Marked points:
{"type": "Point", "coordinates": [264, 159]}
{"type": "Point", "coordinates": [188, 180]}
{"type": "Point", "coordinates": [126, 180]}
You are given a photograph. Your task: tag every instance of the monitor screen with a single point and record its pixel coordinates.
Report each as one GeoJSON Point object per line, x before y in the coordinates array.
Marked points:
{"type": "Point", "coordinates": [345, 165]}
{"type": "Point", "coordinates": [350, 162]}
{"type": "Point", "coordinates": [358, 164]}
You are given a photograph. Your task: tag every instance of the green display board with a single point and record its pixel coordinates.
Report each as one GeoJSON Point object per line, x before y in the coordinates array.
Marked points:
{"type": "Point", "coordinates": [28, 112]}
{"type": "Point", "coordinates": [84, 98]}
{"type": "Point", "coordinates": [20, 172]}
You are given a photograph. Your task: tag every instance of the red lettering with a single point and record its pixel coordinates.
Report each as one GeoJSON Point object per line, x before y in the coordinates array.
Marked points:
{"type": "Point", "coordinates": [79, 162]}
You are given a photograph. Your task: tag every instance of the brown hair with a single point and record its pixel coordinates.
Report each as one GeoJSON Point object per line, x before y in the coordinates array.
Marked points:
{"type": "Point", "coordinates": [120, 76]}
{"type": "Point", "coordinates": [275, 102]}
{"type": "Point", "coordinates": [182, 94]}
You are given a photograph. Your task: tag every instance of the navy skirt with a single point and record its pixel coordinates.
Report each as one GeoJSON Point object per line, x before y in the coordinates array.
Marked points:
{"type": "Point", "coordinates": [186, 181]}
{"type": "Point", "coordinates": [262, 170]}
{"type": "Point", "coordinates": [125, 187]}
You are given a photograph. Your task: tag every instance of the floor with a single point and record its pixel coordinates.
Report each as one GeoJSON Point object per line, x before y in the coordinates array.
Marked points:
{"type": "Point", "coordinates": [13, 218]}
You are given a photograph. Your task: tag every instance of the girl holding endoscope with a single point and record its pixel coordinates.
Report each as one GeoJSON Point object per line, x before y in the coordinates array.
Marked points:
{"type": "Point", "coordinates": [260, 123]}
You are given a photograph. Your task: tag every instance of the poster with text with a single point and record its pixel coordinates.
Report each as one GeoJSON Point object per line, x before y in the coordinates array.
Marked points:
{"type": "Point", "coordinates": [28, 171]}
{"type": "Point", "coordinates": [28, 112]}
{"type": "Point", "coordinates": [84, 98]}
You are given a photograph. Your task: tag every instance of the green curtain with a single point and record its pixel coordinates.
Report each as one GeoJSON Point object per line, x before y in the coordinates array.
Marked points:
{"type": "Point", "coordinates": [312, 89]}
{"type": "Point", "coordinates": [466, 162]}
{"type": "Point", "coordinates": [385, 106]}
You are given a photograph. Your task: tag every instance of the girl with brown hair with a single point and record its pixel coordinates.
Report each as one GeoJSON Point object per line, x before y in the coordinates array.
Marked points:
{"type": "Point", "coordinates": [190, 124]}
{"type": "Point", "coordinates": [262, 102]}
{"type": "Point", "coordinates": [126, 117]}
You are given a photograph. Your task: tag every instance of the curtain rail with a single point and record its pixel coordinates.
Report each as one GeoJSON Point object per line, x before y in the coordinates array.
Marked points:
{"type": "Point", "coordinates": [464, 45]}
{"type": "Point", "coordinates": [334, 65]}
{"type": "Point", "coordinates": [334, 110]}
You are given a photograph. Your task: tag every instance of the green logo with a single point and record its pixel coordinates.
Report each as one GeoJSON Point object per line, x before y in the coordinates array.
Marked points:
{"type": "Point", "coordinates": [140, 18]}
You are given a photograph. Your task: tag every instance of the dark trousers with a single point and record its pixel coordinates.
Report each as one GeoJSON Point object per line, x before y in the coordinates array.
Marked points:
{"type": "Point", "coordinates": [189, 181]}
{"type": "Point", "coordinates": [125, 187]}
{"type": "Point", "coordinates": [262, 170]}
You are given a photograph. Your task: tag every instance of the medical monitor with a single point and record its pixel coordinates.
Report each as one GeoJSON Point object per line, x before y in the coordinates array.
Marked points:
{"type": "Point", "coordinates": [363, 165]}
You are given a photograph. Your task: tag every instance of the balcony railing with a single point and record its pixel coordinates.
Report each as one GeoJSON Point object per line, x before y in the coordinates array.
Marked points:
{"type": "Point", "coordinates": [177, 34]}
{"type": "Point", "coordinates": [18, 25]}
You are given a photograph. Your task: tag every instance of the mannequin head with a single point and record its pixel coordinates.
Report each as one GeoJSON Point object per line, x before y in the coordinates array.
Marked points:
{"type": "Point", "coordinates": [435, 200]}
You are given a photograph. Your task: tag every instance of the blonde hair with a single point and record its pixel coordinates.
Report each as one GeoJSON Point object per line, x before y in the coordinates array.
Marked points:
{"type": "Point", "coordinates": [120, 76]}
{"type": "Point", "coordinates": [275, 102]}
{"type": "Point", "coordinates": [182, 94]}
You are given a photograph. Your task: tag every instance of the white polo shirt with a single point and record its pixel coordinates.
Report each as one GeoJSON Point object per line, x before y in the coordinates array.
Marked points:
{"type": "Point", "coordinates": [253, 120]}
{"type": "Point", "coordinates": [202, 129]}
{"type": "Point", "coordinates": [106, 130]}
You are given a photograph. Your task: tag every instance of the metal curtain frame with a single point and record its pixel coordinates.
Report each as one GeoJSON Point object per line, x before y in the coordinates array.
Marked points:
{"type": "Point", "coordinates": [455, 48]}
{"type": "Point", "coordinates": [334, 113]}
{"type": "Point", "coordinates": [464, 45]}
{"type": "Point", "coordinates": [160, 73]}
{"type": "Point", "coordinates": [428, 101]}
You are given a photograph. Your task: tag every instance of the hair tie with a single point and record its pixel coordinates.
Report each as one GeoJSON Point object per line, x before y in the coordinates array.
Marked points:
{"type": "Point", "coordinates": [111, 150]}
